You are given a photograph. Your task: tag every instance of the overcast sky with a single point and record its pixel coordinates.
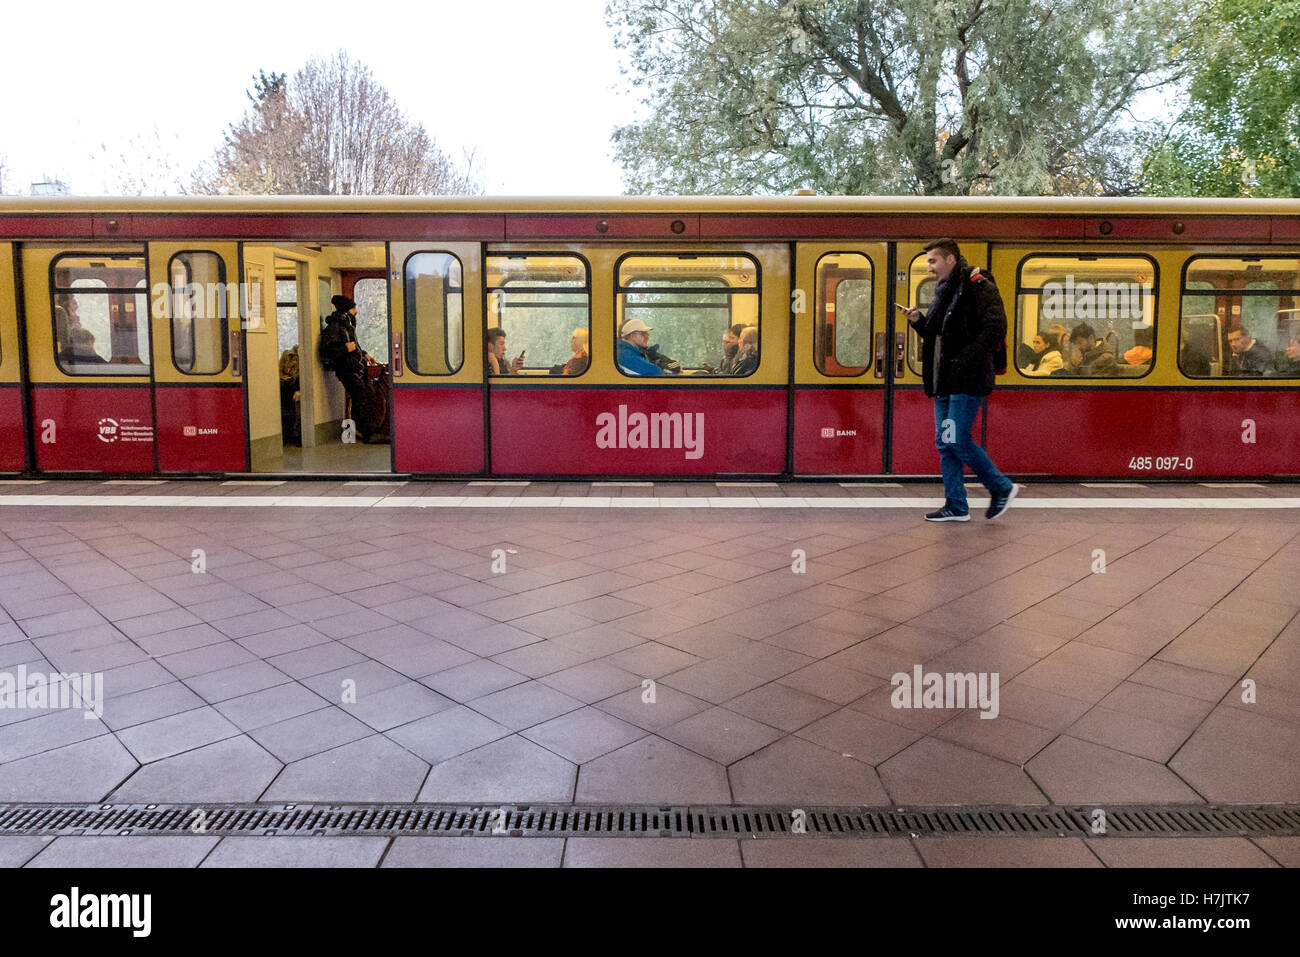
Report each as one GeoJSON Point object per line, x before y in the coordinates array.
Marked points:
{"type": "Point", "coordinates": [533, 87]}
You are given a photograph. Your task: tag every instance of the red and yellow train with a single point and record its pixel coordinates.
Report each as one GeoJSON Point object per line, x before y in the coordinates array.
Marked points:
{"type": "Point", "coordinates": [149, 337]}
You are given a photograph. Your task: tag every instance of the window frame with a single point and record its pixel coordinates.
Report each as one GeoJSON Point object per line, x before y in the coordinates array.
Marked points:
{"type": "Point", "coordinates": [225, 317]}
{"type": "Point", "coordinates": [726, 290]}
{"type": "Point", "coordinates": [819, 312]}
{"type": "Point", "coordinates": [1120, 380]}
{"type": "Point", "coordinates": [408, 314]}
{"type": "Point", "coordinates": [585, 289]}
{"type": "Point", "coordinates": [56, 290]}
{"type": "Point", "coordinates": [1183, 293]}
{"type": "Point", "coordinates": [915, 362]}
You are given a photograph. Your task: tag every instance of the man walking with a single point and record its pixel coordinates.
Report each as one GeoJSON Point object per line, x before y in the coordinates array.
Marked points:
{"type": "Point", "coordinates": [965, 326]}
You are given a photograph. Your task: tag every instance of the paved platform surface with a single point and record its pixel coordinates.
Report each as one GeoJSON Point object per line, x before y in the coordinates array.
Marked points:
{"type": "Point", "coordinates": [374, 653]}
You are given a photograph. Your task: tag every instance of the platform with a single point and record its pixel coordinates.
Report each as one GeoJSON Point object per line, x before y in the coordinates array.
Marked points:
{"type": "Point", "coordinates": [494, 644]}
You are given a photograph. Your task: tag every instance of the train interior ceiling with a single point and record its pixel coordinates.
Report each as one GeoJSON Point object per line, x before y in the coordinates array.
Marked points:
{"type": "Point", "coordinates": [296, 408]}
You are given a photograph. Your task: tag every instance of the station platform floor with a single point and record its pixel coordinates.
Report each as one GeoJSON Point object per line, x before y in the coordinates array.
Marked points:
{"type": "Point", "coordinates": [377, 640]}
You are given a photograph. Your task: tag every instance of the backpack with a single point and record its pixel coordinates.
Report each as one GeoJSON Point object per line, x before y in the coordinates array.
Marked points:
{"type": "Point", "coordinates": [1000, 350]}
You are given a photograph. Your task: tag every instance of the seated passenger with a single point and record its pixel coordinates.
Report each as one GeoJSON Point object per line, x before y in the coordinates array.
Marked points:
{"type": "Point", "coordinates": [290, 397]}
{"type": "Point", "coordinates": [1046, 357]}
{"type": "Point", "coordinates": [747, 354]}
{"type": "Point", "coordinates": [82, 347]}
{"type": "Point", "coordinates": [1249, 355]}
{"type": "Point", "coordinates": [730, 346]}
{"type": "Point", "coordinates": [1290, 363]}
{"type": "Point", "coordinates": [577, 365]}
{"type": "Point", "coordinates": [1090, 356]}
{"type": "Point", "coordinates": [496, 354]}
{"type": "Point", "coordinates": [1140, 354]}
{"type": "Point", "coordinates": [633, 355]}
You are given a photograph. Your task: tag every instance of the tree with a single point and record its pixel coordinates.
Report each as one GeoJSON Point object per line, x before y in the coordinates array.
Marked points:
{"type": "Point", "coordinates": [888, 96]}
{"type": "Point", "coordinates": [144, 166]}
{"type": "Point", "coordinates": [331, 130]}
{"type": "Point", "coordinates": [1240, 132]}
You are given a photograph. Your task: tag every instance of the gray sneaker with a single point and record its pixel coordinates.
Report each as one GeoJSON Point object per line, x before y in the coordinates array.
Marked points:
{"type": "Point", "coordinates": [948, 514]}
{"type": "Point", "coordinates": [1000, 502]}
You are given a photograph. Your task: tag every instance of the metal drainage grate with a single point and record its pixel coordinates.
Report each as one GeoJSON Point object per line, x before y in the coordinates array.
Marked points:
{"type": "Point", "coordinates": [573, 820]}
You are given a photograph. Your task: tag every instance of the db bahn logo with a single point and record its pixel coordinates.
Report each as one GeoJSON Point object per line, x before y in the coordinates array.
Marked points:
{"type": "Point", "coordinates": [833, 433]}
{"type": "Point", "coordinates": [108, 430]}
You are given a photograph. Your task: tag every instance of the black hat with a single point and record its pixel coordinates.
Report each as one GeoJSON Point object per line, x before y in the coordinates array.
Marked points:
{"type": "Point", "coordinates": [342, 303]}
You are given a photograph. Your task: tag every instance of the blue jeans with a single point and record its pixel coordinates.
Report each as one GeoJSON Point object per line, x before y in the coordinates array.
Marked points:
{"type": "Point", "coordinates": [958, 449]}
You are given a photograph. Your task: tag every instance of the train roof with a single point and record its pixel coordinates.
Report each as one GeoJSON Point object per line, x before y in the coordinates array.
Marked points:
{"type": "Point", "coordinates": [734, 205]}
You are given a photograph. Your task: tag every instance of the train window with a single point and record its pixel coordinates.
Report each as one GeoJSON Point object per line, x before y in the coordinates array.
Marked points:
{"type": "Point", "coordinates": [702, 311]}
{"type": "Point", "coordinates": [1089, 316]}
{"type": "Point", "coordinates": [100, 308]}
{"type": "Point", "coordinates": [842, 334]}
{"type": "Point", "coordinates": [434, 318]}
{"type": "Point", "coordinates": [1240, 317]}
{"type": "Point", "coordinates": [435, 335]}
{"type": "Point", "coordinates": [542, 302]}
{"type": "Point", "coordinates": [286, 311]}
{"type": "Point", "coordinates": [371, 297]}
{"type": "Point", "coordinates": [199, 305]}
{"type": "Point", "coordinates": [920, 294]}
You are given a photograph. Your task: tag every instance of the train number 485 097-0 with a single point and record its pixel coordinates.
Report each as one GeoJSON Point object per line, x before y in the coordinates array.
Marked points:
{"type": "Point", "coordinates": [1160, 463]}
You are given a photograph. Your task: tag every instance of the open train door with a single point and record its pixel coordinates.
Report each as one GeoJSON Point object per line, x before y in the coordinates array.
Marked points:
{"type": "Point", "coordinates": [912, 415]}
{"type": "Point", "coordinates": [841, 358]}
{"type": "Point", "coordinates": [196, 303]}
{"type": "Point", "coordinates": [437, 358]}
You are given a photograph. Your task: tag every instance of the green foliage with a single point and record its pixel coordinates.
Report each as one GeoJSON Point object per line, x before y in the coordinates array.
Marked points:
{"type": "Point", "coordinates": [886, 96]}
{"type": "Point", "coordinates": [1240, 133]}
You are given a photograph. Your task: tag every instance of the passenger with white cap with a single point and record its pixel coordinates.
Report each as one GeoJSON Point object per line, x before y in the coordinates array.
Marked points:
{"type": "Point", "coordinates": [634, 348]}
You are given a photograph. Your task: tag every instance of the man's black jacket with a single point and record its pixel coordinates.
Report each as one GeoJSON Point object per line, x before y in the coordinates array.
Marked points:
{"type": "Point", "coordinates": [340, 329]}
{"type": "Point", "coordinates": [957, 344]}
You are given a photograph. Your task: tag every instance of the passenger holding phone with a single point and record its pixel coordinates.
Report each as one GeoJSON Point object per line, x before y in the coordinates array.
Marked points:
{"type": "Point", "coordinates": [960, 335]}
{"type": "Point", "coordinates": [497, 362]}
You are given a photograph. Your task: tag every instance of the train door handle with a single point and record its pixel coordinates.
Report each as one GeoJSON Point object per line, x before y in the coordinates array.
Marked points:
{"type": "Point", "coordinates": [880, 355]}
{"type": "Point", "coordinates": [397, 355]}
{"type": "Point", "coordinates": [900, 353]}
{"type": "Point", "coordinates": [234, 353]}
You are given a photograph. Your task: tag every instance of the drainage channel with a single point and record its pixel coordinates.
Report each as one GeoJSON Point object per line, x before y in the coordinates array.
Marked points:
{"type": "Point", "coordinates": [579, 820]}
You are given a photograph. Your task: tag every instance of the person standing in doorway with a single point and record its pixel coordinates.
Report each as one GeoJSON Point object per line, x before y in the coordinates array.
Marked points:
{"type": "Point", "coordinates": [965, 326]}
{"type": "Point", "coordinates": [341, 353]}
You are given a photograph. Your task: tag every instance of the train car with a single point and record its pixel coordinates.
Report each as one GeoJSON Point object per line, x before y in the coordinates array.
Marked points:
{"type": "Point", "coordinates": [180, 337]}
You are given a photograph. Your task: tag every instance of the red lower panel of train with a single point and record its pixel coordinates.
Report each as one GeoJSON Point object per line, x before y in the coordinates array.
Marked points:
{"type": "Point", "coordinates": [12, 457]}
{"type": "Point", "coordinates": [838, 431]}
{"type": "Point", "coordinates": [438, 430]}
{"type": "Point", "coordinates": [200, 428]}
{"type": "Point", "coordinates": [1117, 433]}
{"type": "Point", "coordinates": [914, 451]}
{"type": "Point", "coordinates": [638, 431]}
{"type": "Point", "coordinates": [1157, 434]}
{"type": "Point", "coordinates": [96, 429]}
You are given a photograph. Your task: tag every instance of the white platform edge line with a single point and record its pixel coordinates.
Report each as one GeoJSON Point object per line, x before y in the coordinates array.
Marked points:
{"type": "Point", "coordinates": [604, 502]}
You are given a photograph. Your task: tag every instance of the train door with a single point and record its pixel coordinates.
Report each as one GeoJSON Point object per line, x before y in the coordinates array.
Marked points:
{"type": "Point", "coordinates": [196, 304]}
{"type": "Point", "coordinates": [841, 358]}
{"type": "Point", "coordinates": [13, 454]}
{"type": "Point", "coordinates": [911, 413]}
{"type": "Point", "coordinates": [437, 357]}
{"type": "Point", "coordinates": [89, 358]}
